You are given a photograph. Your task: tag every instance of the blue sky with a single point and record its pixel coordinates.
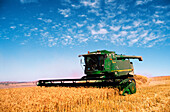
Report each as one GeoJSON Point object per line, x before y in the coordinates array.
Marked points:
{"type": "Point", "coordinates": [43, 38]}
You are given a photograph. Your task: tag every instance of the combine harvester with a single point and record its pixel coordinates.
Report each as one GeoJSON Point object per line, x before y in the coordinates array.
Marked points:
{"type": "Point", "coordinates": [103, 69]}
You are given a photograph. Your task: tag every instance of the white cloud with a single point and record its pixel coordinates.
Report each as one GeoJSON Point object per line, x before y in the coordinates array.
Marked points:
{"type": "Point", "coordinates": [123, 33]}
{"type": "Point", "coordinates": [136, 23]}
{"type": "Point", "coordinates": [132, 36]}
{"type": "Point", "coordinates": [101, 24]}
{"type": "Point", "coordinates": [153, 20]}
{"type": "Point", "coordinates": [108, 1]}
{"type": "Point", "coordinates": [116, 28]}
{"type": "Point", "coordinates": [45, 35]}
{"type": "Point", "coordinates": [45, 28]}
{"type": "Point", "coordinates": [114, 25]}
{"type": "Point", "coordinates": [122, 7]}
{"type": "Point", "coordinates": [132, 32]}
{"type": "Point", "coordinates": [82, 15]}
{"type": "Point", "coordinates": [39, 18]}
{"type": "Point", "coordinates": [79, 25]}
{"type": "Point", "coordinates": [55, 26]}
{"type": "Point", "coordinates": [155, 15]}
{"type": "Point", "coordinates": [47, 20]}
{"type": "Point", "coordinates": [144, 34]}
{"type": "Point", "coordinates": [90, 27]}
{"type": "Point", "coordinates": [133, 41]}
{"type": "Point", "coordinates": [34, 29]}
{"type": "Point", "coordinates": [76, 6]}
{"type": "Point", "coordinates": [101, 31]}
{"type": "Point", "coordinates": [142, 2]}
{"type": "Point", "coordinates": [121, 41]}
{"type": "Point", "coordinates": [110, 14]}
{"type": "Point", "coordinates": [146, 24]}
{"type": "Point", "coordinates": [156, 41]}
{"type": "Point", "coordinates": [67, 40]}
{"type": "Point", "coordinates": [65, 12]}
{"type": "Point", "coordinates": [95, 11]}
{"type": "Point", "coordinates": [126, 27]}
{"type": "Point", "coordinates": [81, 39]}
{"type": "Point", "coordinates": [12, 27]}
{"type": "Point", "coordinates": [94, 4]}
{"type": "Point", "coordinates": [151, 45]}
{"type": "Point", "coordinates": [162, 7]}
{"type": "Point", "coordinates": [158, 22]}
{"type": "Point", "coordinates": [150, 38]}
{"type": "Point", "coordinates": [115, 36]}
{"type": "Point", "coordinates": [139, 2]}
{"type": "Point", "coordinates": [27, 34]}
{"type": "Point", "coordinates": [50, 40]}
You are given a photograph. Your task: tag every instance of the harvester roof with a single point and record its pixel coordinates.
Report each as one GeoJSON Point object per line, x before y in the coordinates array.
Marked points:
{"type": "Point", "coordinates": [101, 52]}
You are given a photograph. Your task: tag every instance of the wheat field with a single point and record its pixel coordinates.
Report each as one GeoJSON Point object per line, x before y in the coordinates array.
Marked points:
{"type": "Point", "coordinates": [70, 99]}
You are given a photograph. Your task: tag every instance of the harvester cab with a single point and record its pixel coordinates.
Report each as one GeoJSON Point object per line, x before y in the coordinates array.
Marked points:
{"type": "Point", "coordinates": [102, 69]}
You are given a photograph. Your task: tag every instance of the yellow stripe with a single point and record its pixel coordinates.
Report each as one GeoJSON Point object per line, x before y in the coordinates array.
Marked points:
{"type": "Point", "coordinates": [121, 70]}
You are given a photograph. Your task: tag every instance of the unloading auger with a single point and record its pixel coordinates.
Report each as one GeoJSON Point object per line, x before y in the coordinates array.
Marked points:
{"type": "Point", "coordinates": [102, 69]}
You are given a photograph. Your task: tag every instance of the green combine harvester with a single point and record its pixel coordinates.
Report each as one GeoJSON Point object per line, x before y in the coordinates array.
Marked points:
{"type": "Point", "coordinates": [103, 69]}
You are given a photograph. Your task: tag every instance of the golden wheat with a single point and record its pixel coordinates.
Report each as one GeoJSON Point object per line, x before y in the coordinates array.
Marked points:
{"type": "Point", "coordinates": [82, 99]}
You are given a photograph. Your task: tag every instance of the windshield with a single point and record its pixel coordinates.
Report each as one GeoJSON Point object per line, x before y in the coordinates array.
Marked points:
{"type": "Point", "coordinates": [94, 62]}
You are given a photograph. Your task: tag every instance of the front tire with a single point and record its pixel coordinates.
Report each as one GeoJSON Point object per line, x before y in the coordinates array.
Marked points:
{"type": "Point", "coordinates": [132, 86]}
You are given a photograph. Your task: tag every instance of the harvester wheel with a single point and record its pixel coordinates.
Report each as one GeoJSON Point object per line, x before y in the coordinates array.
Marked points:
{"type": "Point", "coordinates": [129, 86]}
{"type": "Point", "coordinates": [133, 80]}
{"type": "Point", "coordinates": [132, 87]}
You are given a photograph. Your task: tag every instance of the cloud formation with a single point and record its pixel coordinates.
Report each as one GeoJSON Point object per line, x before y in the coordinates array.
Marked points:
{"type": "Point", "coordinates": [64, 12]}
{"type": "Point", "coordinates": [130, 23]}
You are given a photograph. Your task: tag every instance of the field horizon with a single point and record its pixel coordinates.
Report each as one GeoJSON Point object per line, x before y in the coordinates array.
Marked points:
{"type": "Point", "coordinates": [139, 78]}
